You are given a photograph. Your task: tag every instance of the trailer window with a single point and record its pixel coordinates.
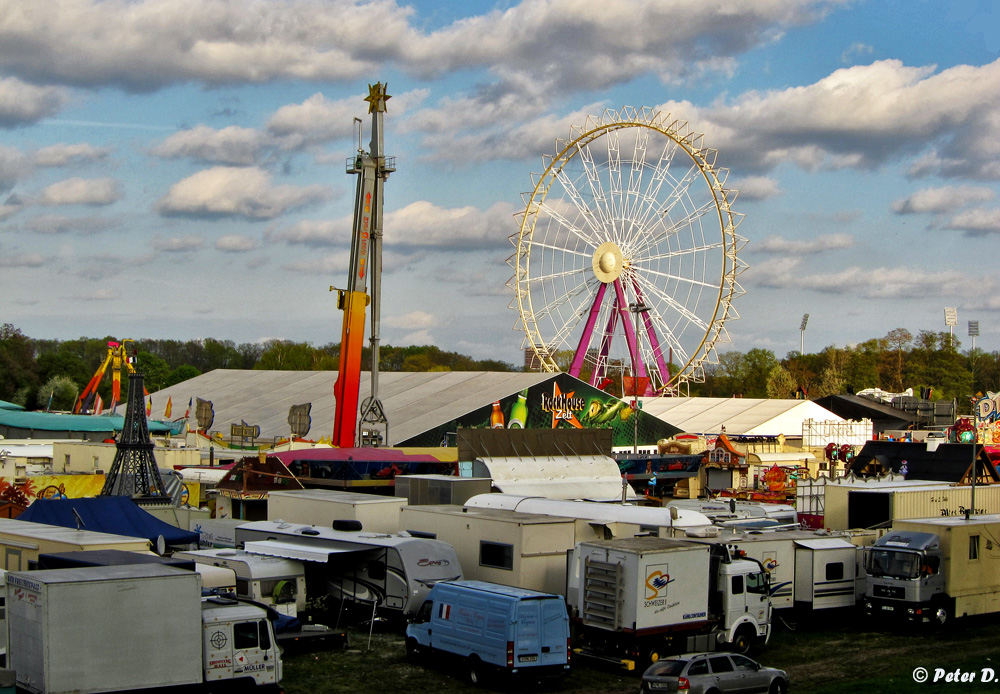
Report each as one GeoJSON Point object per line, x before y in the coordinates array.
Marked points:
{"type": "Point", "coordinates": [834, 571]}
{"type": "Point", "coordinates": [974, 547]}
{"type": "Point", "coordinates": [496, 555]}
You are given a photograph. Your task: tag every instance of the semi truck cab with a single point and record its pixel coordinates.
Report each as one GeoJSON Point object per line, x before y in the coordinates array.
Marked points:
{"type": "Point", "coordinates": [905, 579]}
{"type": "Point", "coordinates": [745, 591]}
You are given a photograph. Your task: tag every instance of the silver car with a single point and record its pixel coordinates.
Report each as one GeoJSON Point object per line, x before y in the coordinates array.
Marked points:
{"type": "Point", "coordinates": [712, 673]}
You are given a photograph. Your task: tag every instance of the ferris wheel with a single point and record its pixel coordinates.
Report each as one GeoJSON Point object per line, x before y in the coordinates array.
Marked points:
{"type": "Point", "coordinates": [626, 257]}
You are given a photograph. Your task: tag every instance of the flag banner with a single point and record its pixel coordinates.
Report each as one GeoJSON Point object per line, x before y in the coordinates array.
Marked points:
{"type": "Point", "coordinates": [168, 409]}
{"type": "Point", "coordinates": [187, 412]}
{"type": "Point", "coordinates": [149, 406]}
{"type": "Point", "coordinates": [98, 405]}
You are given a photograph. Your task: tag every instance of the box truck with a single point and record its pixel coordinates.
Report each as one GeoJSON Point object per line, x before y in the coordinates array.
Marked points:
{"type": "Point", "coordinates": [133, 627]}
{"type": "Point", "coordinates": [929, 570]}
{"type": "Point", "coordinates": [493, 628]}
{"type": "Point", "coordinates": [807, 569]}
{"type": "Point", "coordinates": [636, 599]}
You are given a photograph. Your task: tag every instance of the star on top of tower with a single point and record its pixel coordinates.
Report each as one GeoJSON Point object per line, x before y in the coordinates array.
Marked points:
{"type": "Point", "coordinates": [377, 97]}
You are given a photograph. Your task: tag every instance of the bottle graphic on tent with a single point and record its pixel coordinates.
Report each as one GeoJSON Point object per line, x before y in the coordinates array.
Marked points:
{"type": "Point", "coordinates": [496, 419]}
{"type": "Point", "coordinates": [519, 411]}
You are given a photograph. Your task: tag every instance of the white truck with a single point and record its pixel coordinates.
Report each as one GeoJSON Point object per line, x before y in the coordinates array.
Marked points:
{"type": "Point", "coordinates": [133, 627]}
{"type": "Point", "coordinates": [929, 570]}
{"type": "Point", "coordinates": [635, 599]}
{"type": "Point", "coordinates": [808, 570]}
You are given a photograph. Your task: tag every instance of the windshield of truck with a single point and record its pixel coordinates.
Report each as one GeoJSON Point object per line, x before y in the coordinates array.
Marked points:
{"type": "Point", "coordinates": [757, 583]}
{"type": "Point", "coordinates": [893, 563]}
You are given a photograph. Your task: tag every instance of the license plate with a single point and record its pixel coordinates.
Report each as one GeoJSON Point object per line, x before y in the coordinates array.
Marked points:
{"type": "Point", "coordinates": [657, 685]}
{"type": "Point", "coordinates": [887, 607]}
{"type": "Point", "coordinates": [527, 658]}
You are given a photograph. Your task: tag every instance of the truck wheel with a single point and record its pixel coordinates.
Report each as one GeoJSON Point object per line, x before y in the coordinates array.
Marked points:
{"type": "Point", "coordinates": [475, 671]}
{"type": "Point", "coordinates": [412, 649]}
{"type": "Point", "coordinates": [742, 641]}
{"type": "Point", "coordinates": [941, 615]}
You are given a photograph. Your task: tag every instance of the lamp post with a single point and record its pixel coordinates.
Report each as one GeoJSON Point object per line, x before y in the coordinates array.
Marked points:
{"type": "Point", "coordinates": [802, 334]}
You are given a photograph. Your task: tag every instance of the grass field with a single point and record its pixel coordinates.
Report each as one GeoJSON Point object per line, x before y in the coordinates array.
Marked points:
{"type": "Point", "coordinates": [824, 657]}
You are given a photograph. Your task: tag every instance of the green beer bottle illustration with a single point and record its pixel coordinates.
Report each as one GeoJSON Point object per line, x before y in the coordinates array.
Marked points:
{"type": "Point", "coordinates": [519, 411]}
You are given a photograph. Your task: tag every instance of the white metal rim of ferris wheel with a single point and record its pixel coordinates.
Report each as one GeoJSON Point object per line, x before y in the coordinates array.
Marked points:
{"type": "Point", "coordinates": [666, 245]}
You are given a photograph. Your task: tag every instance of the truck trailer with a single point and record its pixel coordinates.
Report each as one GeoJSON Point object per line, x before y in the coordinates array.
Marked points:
{"type": "Point", "coordinates": [633, 600]}
{"type": "Point", "coordinates": [133, 627]}
{"type": "Point", "coordinates": [930, 570]}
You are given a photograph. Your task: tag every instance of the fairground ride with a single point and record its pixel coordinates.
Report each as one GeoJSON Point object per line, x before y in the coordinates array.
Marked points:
{"type": "Point", "coordinates": [626, 256]}
{"type": "Point", "coordinates": [119, 355]}
{"type": "Point", "coordinates": [372, 168]}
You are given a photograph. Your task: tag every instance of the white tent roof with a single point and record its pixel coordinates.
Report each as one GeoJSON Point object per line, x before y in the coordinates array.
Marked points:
{"type": "Point", "coordinates": [740, 416]}
{"type": "Point", "coordinates": [415, 402]}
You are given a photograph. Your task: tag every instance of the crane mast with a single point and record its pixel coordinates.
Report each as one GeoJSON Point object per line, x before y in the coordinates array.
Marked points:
{"type": "Point", "coordinates": [372, 169]}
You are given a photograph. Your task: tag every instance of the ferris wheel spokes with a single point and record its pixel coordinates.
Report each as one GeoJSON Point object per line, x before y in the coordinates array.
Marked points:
{"type": "Point", "coordinates": [566, 224]}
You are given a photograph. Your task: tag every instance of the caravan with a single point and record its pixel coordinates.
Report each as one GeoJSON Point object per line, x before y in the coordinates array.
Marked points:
{"type": "Point", "coordinates": [388, 574]}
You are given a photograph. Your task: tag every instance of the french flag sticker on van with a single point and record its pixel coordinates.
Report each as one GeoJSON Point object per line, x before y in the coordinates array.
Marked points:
{"type": "Point", "coordinates": [444, 611]}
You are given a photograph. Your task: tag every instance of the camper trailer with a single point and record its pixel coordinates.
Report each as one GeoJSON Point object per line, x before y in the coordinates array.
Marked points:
{"type": "Point", "coordinates": [388, 574]}
{"type": "Point", "coordinates": [276, 582]}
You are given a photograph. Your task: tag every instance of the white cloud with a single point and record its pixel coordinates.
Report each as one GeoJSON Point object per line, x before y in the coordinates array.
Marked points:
{"type": "Point", "coordinates": [81, 191]}
{"type": "Point", "coordinates": [335, 264]}
{"type": "Point", "coordinates": [64, 154]}
{"type": "Point", "coordinates": [20, 260]}
{"type": "Point", "coordinates": [103, 294]}
{"type": "Point", "coordinates": [976, 222]}
{"type": "Point", "coordinates": [755, 187]}
{"type": "Point", "coordinates": [944, 199]}
{"type": "Point", "coordinates": [59, 224]}
{"type": "Point", "coordinates": [24, 104]}
{"type": "Point", "coordinates": [862, 117]}
{"type": "Point", "coordinates": [820, 244]}
{"type": "Point", "coordinates": [316, 119]}
{"type": "Point", "coordinates": [235, 243]}
{"type": "Point", "coordinates": [236, 192]}
{"type": "Point", "coordinates": [314, 232]}
{"type": "Point", "coordinates": [411, 321]}
{"type": "Point", "coordinates": [865, 282]}
{"type": "Point", "coordinates": [424, 224]}
{"type": "Point", "coordinates": [178, 244]}
{"type": "Point", "coordinates": [232, 145]}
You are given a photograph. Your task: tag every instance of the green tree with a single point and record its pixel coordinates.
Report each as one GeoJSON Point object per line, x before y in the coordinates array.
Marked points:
{"type": "Point", "coordinates": [184, 372]}
{"type": "Point", "coordinates": [154, 370]}
{"type": "Point", "coordinates": [780, 383]}
{"type": "Point", "coordinates": [61, 392]}
{"type": "Point", "coordinates": [898, 341]}
{"type": "Point", "coordinates": [17, 362]}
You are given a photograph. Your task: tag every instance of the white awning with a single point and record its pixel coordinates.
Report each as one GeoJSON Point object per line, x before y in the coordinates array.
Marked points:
{"type": "Point", "coordinates": [298, 550]}
{"type": "Point", "coordinates": [824, 543]}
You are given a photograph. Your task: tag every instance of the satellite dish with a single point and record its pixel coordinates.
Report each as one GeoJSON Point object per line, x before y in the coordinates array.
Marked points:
{"type": "Point", "coordinates": [161, 545]}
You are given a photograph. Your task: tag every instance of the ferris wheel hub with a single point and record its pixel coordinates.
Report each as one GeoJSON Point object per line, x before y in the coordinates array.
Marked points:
{"type": "Point", "coordinates": [608, 263]}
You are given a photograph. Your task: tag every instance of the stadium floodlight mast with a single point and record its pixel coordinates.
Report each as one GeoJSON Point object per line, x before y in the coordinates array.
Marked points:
{"type": "Point", "coordinates": [973, 332]}
{"type": "Point", "coordinates": [951, 319]}
{"type": "Point", "coordinates": [802, 334]}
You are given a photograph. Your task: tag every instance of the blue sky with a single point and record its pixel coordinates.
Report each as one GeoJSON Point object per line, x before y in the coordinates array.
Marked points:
{"type": "Point", "coordinates": [175, 168]}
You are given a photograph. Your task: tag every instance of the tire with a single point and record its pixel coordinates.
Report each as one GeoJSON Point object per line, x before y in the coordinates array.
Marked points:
{"type": "Point", "coordinates": [941, 615]}
{"type": "Point", "coordinates": [412, 649]}
{"type": "Point", "coordinates": [474, 669]}
{"type": "Point", "coordinates": [778, 687]}
{"type": "Point", "coordinates": [743, 640]}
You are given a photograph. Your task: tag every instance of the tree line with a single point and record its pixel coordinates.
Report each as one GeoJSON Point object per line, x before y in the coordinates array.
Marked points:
{"type": "Point", "coordinates": [33, 371]}
{"type": "Point", "coordinates": [40, 374]}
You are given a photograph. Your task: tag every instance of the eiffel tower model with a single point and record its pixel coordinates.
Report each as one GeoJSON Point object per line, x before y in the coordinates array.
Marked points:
{"type": "Point", "coordinates": [134, 473]}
